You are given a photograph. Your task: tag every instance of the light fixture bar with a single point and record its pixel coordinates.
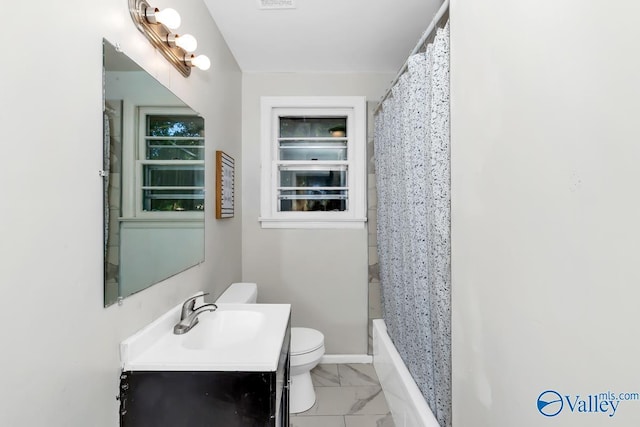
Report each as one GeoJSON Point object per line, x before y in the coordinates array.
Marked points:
{"type": "Point", "coordinates": [157, 34]}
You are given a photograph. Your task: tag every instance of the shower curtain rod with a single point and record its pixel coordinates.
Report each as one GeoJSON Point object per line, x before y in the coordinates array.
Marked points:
{"type": "Point", "coordinates": [432, 26]}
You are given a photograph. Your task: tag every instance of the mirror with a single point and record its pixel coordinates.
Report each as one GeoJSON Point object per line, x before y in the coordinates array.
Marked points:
{"type": "Point", "coordinates": [153, 180]}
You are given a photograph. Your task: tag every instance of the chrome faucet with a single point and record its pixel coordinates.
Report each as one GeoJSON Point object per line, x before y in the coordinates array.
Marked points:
{"type": "Point", "coordinates": [189, 315]}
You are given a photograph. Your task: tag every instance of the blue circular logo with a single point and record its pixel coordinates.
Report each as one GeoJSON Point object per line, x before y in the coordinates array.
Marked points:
{"type": "Point", "coordinates": [550, 403]}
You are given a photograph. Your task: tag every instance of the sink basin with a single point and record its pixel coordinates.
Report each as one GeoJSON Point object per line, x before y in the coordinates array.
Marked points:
{"type": "Point", "coordinates": [235, 337]}
{"type": "Point", "coordinates": [223, 329]}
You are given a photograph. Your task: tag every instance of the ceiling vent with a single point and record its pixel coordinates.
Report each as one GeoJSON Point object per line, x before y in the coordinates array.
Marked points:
{"type": "Point", "coordinates": [277, 4]}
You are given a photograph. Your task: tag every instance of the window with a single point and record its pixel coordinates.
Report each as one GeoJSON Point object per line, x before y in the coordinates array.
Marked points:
{"type": "Point", "coordinates": [170, 165]}
{"type": "Point", "coordinates": [313, 162]}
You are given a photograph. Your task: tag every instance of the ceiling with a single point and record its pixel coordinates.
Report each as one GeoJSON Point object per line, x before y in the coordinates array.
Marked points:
{"type": "Point", "coordinates": [334, 36]}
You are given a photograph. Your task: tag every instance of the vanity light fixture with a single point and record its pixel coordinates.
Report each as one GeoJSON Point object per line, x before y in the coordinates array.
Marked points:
{"type": "Point", "coordinates": [157, 26]}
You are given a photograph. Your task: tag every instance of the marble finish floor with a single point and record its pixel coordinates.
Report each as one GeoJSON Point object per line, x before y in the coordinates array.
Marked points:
{"type": "Point", "coordinates": [347, 395]}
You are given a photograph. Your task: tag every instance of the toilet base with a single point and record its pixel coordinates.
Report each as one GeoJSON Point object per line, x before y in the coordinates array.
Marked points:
{"type": "Point", "coordinates": [302, 396]}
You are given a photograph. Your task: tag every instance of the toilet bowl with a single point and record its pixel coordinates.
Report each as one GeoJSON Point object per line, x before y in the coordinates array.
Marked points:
{"type": "Point", "coordinates": [307, 348]}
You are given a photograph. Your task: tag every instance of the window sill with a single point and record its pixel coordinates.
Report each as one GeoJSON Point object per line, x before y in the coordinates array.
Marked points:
{"type": "Point", "coordinates": [157, 223]}
{"type": "Point", "coordinates": [357, 223]}
{"type": "Point", "coordinates": [179, 216]}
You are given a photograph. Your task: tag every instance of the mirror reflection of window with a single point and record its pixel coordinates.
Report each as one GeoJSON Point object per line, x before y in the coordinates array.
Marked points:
{"type": "Point", "coordinates": [173, 161]}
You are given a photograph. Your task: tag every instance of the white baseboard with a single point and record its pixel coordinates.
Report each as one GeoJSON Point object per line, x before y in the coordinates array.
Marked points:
{"type": "Point", "coordinates": [346, 358]}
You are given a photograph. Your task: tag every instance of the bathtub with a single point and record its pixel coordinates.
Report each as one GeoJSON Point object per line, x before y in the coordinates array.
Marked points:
{"type": "Point", "coordinates": [407, 405]}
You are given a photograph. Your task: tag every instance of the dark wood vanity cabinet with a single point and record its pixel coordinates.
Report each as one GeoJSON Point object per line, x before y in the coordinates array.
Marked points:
{"type": "Point", "coordinates": [207, 398]}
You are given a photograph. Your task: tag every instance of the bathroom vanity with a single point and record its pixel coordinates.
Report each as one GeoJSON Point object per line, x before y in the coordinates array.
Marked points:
{"type": "Point", "coordinates": [233, 370]}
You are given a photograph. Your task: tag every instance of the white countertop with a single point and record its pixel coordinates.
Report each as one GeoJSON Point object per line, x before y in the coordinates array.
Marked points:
{"type": "Point", "coordinates": [238, 348]}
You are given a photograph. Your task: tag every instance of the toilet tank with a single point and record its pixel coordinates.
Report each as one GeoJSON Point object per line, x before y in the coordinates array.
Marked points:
{"type": "Point", "coordinates": [239, 293]}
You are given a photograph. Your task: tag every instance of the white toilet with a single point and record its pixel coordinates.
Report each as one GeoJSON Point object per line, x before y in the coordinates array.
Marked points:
{"type": "Point", "coordinates": [307, 348]}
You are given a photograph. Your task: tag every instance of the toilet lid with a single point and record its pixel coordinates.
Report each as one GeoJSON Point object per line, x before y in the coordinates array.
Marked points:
{"type": "Point", "coordinates": [305, 340]}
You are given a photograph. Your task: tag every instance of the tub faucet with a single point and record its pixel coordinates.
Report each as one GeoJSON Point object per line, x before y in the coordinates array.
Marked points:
{"type": "Point", "coordinates": [189, 315]}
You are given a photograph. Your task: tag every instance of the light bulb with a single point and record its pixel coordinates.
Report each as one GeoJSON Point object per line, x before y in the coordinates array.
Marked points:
{"type": "Point", "coordinates": [201, 61]}
{"type": "Point", "coordinates": [186, 42]}
{"type": "Point", "coordinates": [168, 17]}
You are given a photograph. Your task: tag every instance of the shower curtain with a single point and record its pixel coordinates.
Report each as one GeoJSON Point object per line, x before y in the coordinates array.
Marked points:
{"type": "Point", "coordinates": [411, 140]}
{"type": "Point", "coordinates": [106, 167]}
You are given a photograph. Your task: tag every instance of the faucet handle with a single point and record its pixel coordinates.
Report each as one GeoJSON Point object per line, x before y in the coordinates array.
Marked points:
{"type": "Point", "coordinates": [189, 304]}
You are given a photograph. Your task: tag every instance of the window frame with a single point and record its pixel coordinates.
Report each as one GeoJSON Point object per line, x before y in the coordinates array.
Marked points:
{"type": "Point", "coordinates": [352, 107]}
{"type": "Point", "coordinates": [141, 160]}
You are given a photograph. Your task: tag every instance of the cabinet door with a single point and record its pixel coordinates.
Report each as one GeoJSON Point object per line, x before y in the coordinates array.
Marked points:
{"type": "Point", "coordinates": [197, 399]}
{"type": "Point", "coordinates": [283, 382]}
{"type": "Point", "coordinates": [282, 418]}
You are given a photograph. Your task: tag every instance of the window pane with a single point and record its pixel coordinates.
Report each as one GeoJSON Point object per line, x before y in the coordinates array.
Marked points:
{"type": "Point", "coordinates": [321, 177]}
{"type": "Point", "coordinates": [175, 125]}
{"type": "Point", "coordinates": [313, 150]}
{"type": "Point", "coordinates": [173, 175]}
{"type": "Point", "coordinates": [309, 127]}
{"type": "Point", "coordinates": [312, 200]}
{"type": "Point", "coordinates": [172, 149]}
{"type": "Point", "coordinates": [173, 200]}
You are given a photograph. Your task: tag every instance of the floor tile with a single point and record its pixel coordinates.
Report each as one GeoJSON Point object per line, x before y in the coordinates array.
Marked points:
{"type": "Point", "coordinates": [317, 421]}
{"type": "Point", "coordinates": [349, 400]}
{"type": "Point", "coordinates": [325, 375]}
{"type": "Point", "coordinates": [369, 421]}
{"type": "Point", "coordinates": [357, 374]}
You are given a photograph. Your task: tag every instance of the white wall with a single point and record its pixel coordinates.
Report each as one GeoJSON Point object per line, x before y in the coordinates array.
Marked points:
{"type": "Point", "coordinates": [60, 346]}
{"type": "Point", "coordinates": [545, 231]}
{"type": "Point", "coordinates": [322, 273]}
